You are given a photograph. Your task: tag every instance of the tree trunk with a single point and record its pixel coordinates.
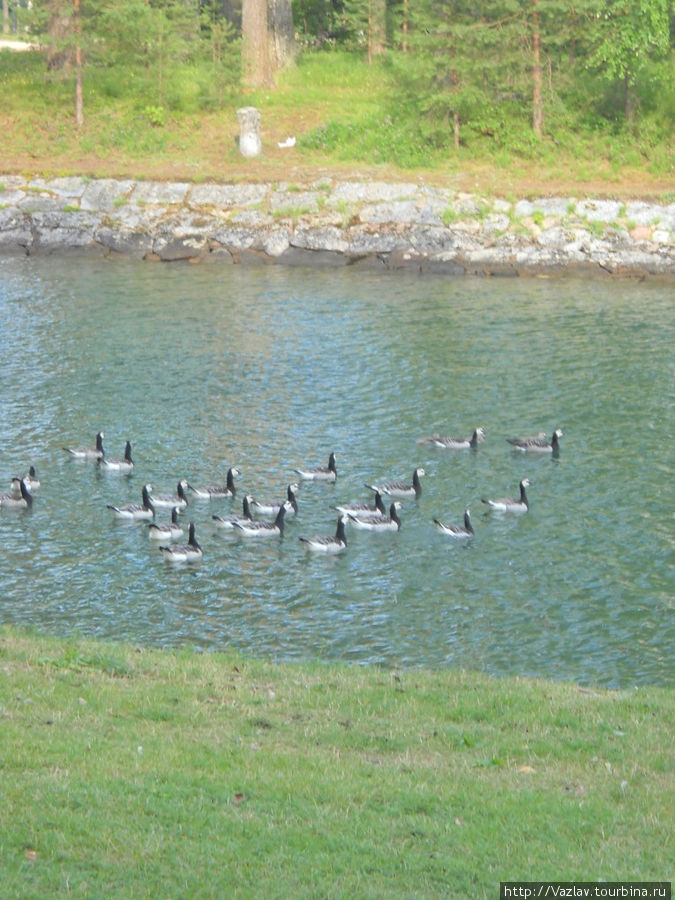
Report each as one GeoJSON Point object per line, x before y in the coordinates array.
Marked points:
{"type": "Point", "coordinates": [377, 28]}
{"type": "Point", "coordinates": [455, 113]}
{"type": "Point", "coordinates": [255, 46]}
{"type": "Point", "coordinates": [629, 99]}
{"type": "Point", "coordinates": [268, 40]}
{"type": "Point", "coordinates": [537, 111]}
{"type": "Point", "coordinates": [79, 103]}
{"type": "Point", "coordinates": [5, 17]}
{"type": "Point", "coordinates": [283, 48]}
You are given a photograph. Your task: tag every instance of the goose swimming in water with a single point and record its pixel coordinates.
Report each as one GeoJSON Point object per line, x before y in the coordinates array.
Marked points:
{"type": "Point", "coordinates": [166, 531]}
{"type": "Point", "coordinates": [215, 491]}
{"type": "Point", "coordinates": [538, 444]}
{"type": "Point", "coordinates": [190, 552]}
{"type": "Point", "coordinates": [111, 464]}
{"type": "Point", "coordinates": [257, 528]}
{"type": "Point", "coordinates": [31, 480]}
{"type": "Point", "coordinates": [401, 488]}
{"type": "Point", "coordinates": [19, 496]}
{"type": "Point", "coordinates": [457, 531]}
{"type": "Point", "coordinates": [392, 522]}
{"type": "Point", "coordinates": [228, 522]}
{"type": "Point", "coordinates": [319, 473]}
{"type": "Point", "coordinates": [364, 509]}
{"type": "Point", "coordinates": [271, 507]}
{"type": "Point", "coordinates": [178, 499]}
{"type": "Point", "coordinates": [328, 543]}
{"type": "Point", "coordinates": [142, 510]}
{"type": "Point", "coordinates": [91, 453]}
{"type": "Point", "coordinates": [511, 504]}
{"type": "Point", "coordinates": [455, 443]}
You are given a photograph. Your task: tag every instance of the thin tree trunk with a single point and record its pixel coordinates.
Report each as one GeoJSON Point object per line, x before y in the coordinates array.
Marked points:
{"type": "Point", "coordinates": [5, 17]}
{"type": "Point", "coordinates": [629, 100]}
{"type": "Point", "coordinates": [455, 114]}
{"type": "Point", "coordinates": [377, 28]}
{"type": "Point", "coordinates": [537, 111]}
{"type": "Point", "coordinates": [79, 102]}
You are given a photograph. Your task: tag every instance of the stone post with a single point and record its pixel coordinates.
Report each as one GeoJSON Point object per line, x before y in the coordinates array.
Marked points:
{"type": "Point", "coordinates": [249, 131]}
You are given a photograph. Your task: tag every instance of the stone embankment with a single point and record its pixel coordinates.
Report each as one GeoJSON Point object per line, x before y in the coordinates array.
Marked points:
{"type": "Point", "coordinates": [332, 222]}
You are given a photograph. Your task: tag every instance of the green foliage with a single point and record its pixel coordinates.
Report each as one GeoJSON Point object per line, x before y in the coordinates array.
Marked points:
{"type": "Point", "coordinates": [629, 33]}
{"type": "Point", "coordinates": [156, 115]}
{"type": "Point", "coordinates": [374, 140]}
{"type": "Point", "coordinates": [460, 72]}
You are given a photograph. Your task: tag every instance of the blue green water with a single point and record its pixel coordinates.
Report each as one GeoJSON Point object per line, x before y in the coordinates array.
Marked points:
{"type": "Point", "coordinates": [268, 368]}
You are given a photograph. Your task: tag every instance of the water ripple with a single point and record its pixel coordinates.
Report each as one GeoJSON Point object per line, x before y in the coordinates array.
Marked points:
{"type": "Point", "coordinates": [272, 368]}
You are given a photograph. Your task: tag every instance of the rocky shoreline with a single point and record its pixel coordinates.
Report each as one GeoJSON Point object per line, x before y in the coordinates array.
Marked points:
{"type": "Point", "coordinates": [333, 222]}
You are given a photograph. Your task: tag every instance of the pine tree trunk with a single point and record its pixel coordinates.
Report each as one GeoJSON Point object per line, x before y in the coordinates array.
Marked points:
{"type": "Point", "coordinates": [537, 111]}
{"type": "Point", "coordinates": [79, 102]}
{"type": "Point", "coordinates": [268, 40]}
{"type": "Point", "coordinates": [257, 67]}
{"type": "Point", "coordinates": [281, 34]}
{"type": "Point", "coordinates": [377, 28]}
{"type": "Point", "coordinates": [5, 17]}
{"type": "Point", "coordinates": [629, 100]}
{"type": "Point", "coordinates": [455, 113]}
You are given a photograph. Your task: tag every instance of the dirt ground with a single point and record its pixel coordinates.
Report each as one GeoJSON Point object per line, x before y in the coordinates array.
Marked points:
{"type": "Point", "coordinates": [213, 156]}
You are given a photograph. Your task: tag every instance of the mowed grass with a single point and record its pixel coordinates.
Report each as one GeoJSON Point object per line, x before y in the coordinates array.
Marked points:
{"type": "Point", "coordinates": [128, 772]}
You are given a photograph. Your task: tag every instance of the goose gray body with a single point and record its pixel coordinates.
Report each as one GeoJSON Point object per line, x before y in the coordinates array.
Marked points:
{"type": "Point", "coordinates": [538, 444]}
{"type": "Point", "coordinates": [456, 443]}
{"type": "Point", "coordinates": [178, 499]}
{"type": "Point", "coordinates": [364, 509]}
{"type": "Point", "coordinates": [457, 531]}
{"type": "Point", "coordinates": [335, 543]}
{"type": "Point", "coordinates": [166, 531]}
{"type": "Point", "coordinates": [511, 504]}
{"type": "Point", "coordinates": [142, 510]}
{"type": "Point", "coordinates": [401, 488]}
{"type": "Point", "coordinates": [112, 464]}
{"type": "Point", "coordinates": [31, 480]}
{"type": "Point", "coordinates": [19, 496]}
{"type": "Point", "coordinates": [257, 528]}
{"type": "Point", "coordinates": [177, 553]}
{"type": "Point", "coordinates": [319, 473]}
{"type": "Point", "coordinates": [392, 522]}
{"type": "Point", "coordinates": [215, 491]}
{"type": "Point", "coordinates": [271, 507]}
{"type": "Point", "coordinates": [228, 522]}
{"type": "Point", "coordinates": [88, 453]}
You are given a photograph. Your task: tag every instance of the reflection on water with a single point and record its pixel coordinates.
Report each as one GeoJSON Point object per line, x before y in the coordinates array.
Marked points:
{"type": "Point", "coordinates": [269, 368]}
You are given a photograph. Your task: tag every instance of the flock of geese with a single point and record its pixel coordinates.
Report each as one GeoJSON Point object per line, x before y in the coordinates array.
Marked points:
{"type": "Point", "coordinates": [266, 518]}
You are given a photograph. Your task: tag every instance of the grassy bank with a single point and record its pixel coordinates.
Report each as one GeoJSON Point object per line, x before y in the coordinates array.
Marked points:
{"type": "Point", "coordinates": [135, 773]}
{"type": "Point", "coordinates": [343, 113]}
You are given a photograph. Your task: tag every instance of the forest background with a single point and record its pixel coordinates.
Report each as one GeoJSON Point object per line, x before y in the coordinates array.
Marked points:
{"type": "Point", "coordinates": [528, 96]}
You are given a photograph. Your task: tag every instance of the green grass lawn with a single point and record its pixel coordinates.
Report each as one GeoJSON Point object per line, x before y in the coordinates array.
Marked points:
{"type": "Point", "coordinates": [127, 772]}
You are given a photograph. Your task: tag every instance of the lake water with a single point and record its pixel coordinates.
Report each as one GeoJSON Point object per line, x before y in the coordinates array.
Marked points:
{"type": "Point", "coordinates": [268, 368]}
